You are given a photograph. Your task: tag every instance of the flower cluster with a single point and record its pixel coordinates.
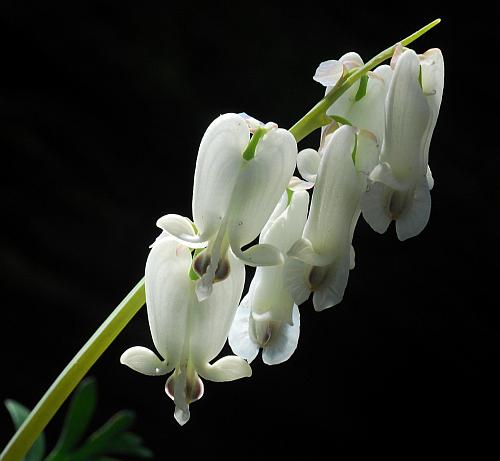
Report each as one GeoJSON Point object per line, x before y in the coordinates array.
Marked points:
{"type": "Point", "coordinates": [372, 160]}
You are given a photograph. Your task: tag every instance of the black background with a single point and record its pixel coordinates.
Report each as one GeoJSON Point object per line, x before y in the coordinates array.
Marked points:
{"type": "Point", "coordinates": [102, 109]}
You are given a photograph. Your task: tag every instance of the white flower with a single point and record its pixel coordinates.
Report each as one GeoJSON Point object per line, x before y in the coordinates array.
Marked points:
{"type": "Point", "coordinates": [320, 261]}
{"type": "Point", "coordinates": [187, 333]}
{"type": "Point", "coordinates": [362, 106]}
{"type": "Point", "coordinates": [233, 197]}
{"type": "Point", "coordinates": [401, 183]}
{"type": "Point", "coordinates": [267, 317]}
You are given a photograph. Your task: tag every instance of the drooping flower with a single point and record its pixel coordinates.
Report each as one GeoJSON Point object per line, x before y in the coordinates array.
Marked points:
{"type": "Point", "coordinates": [362, 106]}
{"type": "Point", "coordinates": [400, 184]}
{"type": "Point", "coordinates": [320, 261]}
{"type": "Point", "coordinates": [237, 183]}
{"type": "Point", "coordinates": [187, 333]}
{"type": "Point", "coordinates": [267, 317]}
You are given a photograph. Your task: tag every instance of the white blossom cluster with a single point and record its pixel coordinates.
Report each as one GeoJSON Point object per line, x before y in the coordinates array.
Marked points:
{"type": "Point", "coordinates": [372, 160]}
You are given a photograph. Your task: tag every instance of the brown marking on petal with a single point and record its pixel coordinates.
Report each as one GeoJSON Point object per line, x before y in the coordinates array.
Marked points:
{"type": "Point", "coordinates": [397, 204]}
{"type": "Point", "coordinates": [316, 276]}
{"type": "Point", "coordinates": [201, 263]}
{"type": "Point", "coordinates": [223, 270]}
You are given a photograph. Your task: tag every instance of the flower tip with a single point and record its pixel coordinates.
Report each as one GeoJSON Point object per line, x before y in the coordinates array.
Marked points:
{"type": "Point", "coordinates": [181, 416]}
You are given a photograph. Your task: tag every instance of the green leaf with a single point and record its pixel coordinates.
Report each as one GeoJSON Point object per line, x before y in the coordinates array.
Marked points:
{"type": "Point", "coordinates": [100, 440]}
{"type": "Point", "coordinates": [18, 414]}
{"type": "Point", "coordinates": [129, 444]}
{"type": "Point", "coordinates": [77, 418]}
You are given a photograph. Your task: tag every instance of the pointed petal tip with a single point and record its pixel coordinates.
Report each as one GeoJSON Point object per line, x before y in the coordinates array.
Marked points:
{"type": "Point", "coordinates": [181, 415]}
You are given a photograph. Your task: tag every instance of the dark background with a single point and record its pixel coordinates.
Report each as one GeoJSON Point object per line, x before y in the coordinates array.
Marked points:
{"type": "Point", "coordinates": [102, 108]}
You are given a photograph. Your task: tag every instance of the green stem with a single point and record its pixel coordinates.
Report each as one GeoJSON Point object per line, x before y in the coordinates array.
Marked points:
{"type": "Point", "coordinates": [316, 117]}
{"type": "Point", "coordinates": [62, 387]}
{"type": "Point", "coordinates": [73, 374]}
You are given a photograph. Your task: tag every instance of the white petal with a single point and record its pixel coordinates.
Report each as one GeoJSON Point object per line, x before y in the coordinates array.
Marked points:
{"type": "Point", "coordinates": [375, 207]}
{"type": "Point", "coordinates": [302, 249]}
{"type": "Point", "coordinates": [430, 178]}
{"type": "Point", "coordinates": [352, 263]}
{"type": "Point", "coordinates": [169, 293]}
{"type": "Point", "coordinates": [278, 209]}
{"type": "Point", "coordinates": [144, 361]}
{"type": "Point", "coordinates": [239, 337]}
{"type": "Point", "coordinates": [261, 182]}
{"type": "Point", "coordinates": [259, 255]}
{"type": "Point", "coordinates": [335, 198]}
{"type": "Point", "coordinates": [351, 60]}
{"type": "Point", "coordinates": [288, 227]}
{"type": "Point", "coordinates": [416, 213]}
{"type": "Point", "coordinates": [182, 415]}
{"type": "Point", "coordinates": [217, 166]}
{"type": "Point", "coordinates": [283, 341]}
{"type": "Point", "coordinates": [308, 164]}
{"type": "Point", "coordinates": [329, 72]}
{"type": "Point", "coordinates": [432, 65]}
{"type": "Point", "coordinates": [407, 119]}
{"type": "Point", "coordinates": [331, 290]}
{"type": "Point", "coordinates": [296, 281]}
{"type": "Point", "coordinates": [383, 173]}
{"type": "Point", "coordinates": [181, 229]}
{"type": "Point", "coordinates": [227, 368]}
{"type": "Point", "coordinates": [296, 184]}
{"type": "Point", "coordinates": [367, 152]}
{"type": "Point", "coordinates": [211, 319]}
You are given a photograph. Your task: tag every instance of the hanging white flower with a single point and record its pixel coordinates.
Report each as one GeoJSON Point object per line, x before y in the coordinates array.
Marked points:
{"type": "Point", "coordinates": [237, 184]}
{"type": "Point", "coordinates": [362, 106]}
{"type": "Point", "coordinates": [400, 184]}
{"type": "Point", "coordinates": [320, 261]}
{"type": "Point", "coordinates": [267, 317]}
{"type": "Point", "coordinates": [187, 333]}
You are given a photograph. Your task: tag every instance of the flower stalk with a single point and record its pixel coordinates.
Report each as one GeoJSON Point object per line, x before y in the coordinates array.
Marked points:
{"type": "Point", "coordinates": [77, 368]}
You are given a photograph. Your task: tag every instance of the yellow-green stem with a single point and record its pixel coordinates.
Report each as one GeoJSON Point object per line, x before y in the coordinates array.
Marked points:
{"type": "Point", "coordinates": [65, 383]}
{"type": "Point", "coordinates": [316, 117]}
{"type": "Point", "coordinates": [69, 378]}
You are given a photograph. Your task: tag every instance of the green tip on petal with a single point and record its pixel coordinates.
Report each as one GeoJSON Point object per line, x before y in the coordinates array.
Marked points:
{"type": "Point", "coordinates": [289, 193]}
{"type": "Point", "coordinates": [341, 120]}
{"type": "Point", "coordinates": [363, 83]}
{"type": "Point", "coordinates": [249, 152]}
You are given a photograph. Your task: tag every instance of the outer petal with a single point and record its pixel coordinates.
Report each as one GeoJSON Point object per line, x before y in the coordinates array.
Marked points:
{"type": "Point", "coordinates": [416, 213]}
{"type": "Point", "coordinates": [260, 185]}
{"type": "Point", "coordinates": [336, 195]}
{"type": "Point", "coordinates": [329, 73]}
{"type": "Point", "coordinates": [227, 368]}
{"type": "Point", "coordinates": [308, 164]}
{"type": "Point", "coordinates": [432, 65]}
{"type": "Point", "coordinates": [182, 230]}
{"type": "Point", "coordinates": [145, 361]}
{"type": "Point", "coordinates": [296, 279]}
{"type": "Point", "coordinates": [279, 208]}
{"type": "Point", "coordinates": [259, 255]}
{"type": "Point", "coordinates": [375, 206]}
{"type": "Point", "coordinates": [367, 152]}
{"type": "Point", "coordinates": [331, 289]}
{"type": "Point", "coordinates": [407, 118]}
{"type": "Point", "coordinates": [239, 337]}
{"type": "Point", "coordinates": [211, 319]}
{"type": "Point", "coordinates": [169, 293]}
{"type": "Point", "coordinates": [217, 166]}
{"type": "Point", "coordinates": [288, 227]}
{"type": "Point", "coordinates": [283, 341]}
